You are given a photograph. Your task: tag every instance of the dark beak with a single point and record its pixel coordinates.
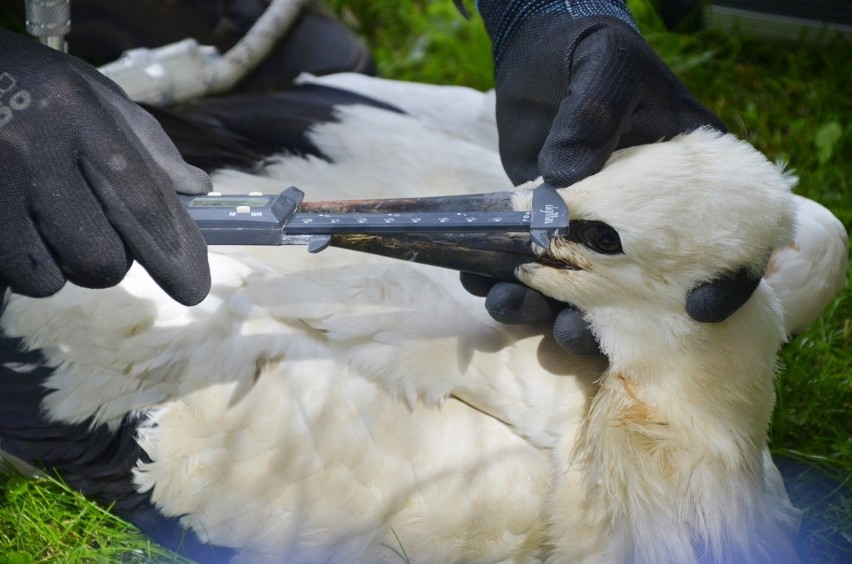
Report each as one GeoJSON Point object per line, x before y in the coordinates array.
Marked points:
{"type": "Point", "coordinates": [495, 253]}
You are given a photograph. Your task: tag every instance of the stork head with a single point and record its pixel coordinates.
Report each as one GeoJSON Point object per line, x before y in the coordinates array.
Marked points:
{"type": "Point", "coordinates": [658, 221]}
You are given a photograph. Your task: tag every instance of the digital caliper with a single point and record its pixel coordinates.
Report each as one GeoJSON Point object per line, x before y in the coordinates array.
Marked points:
{"type": "Point", "coordinates": [491, 240]}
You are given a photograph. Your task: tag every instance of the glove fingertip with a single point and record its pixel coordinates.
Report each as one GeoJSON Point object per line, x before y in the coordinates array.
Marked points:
{"type": "Point", "coordinates": [191, 180]}
{"type": "Point", "coordinates": [514, 304]}
{"type": "Point", "coordinates": [180, 267]}
{"type": "Point", "coordinates": [476, 284]}
{"type": "Point", "coordinates": [194, 293]}
{"type": "Point", "coordinates": [717, 300]}
{"type": "Point", "coordinates": [572, 332]}
{"type": "Point", "coordinates": [189, 285]}
{"type": "Point", "coordinates": [32, 271]}
{"type": "Point", "coordinates": [42, 288]}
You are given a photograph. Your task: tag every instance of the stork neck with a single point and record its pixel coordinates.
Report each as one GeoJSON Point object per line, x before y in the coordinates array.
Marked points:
{"type": "Point", "coordinates": [715, 376]}
{"type": "Point", "coordinates": [678, 439]}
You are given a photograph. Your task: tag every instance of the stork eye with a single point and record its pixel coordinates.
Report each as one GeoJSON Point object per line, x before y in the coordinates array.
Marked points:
{"type": "Point", "coordinates": [601, 238]}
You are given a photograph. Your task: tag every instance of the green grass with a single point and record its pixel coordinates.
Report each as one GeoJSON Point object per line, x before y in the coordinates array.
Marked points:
{"type": "Point", "coordinates": [46, 521]}
{"type": "Point", "coordinates": [790, 99]}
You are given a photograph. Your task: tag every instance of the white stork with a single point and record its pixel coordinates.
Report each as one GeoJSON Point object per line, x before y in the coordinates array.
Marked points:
{"type": "Point", "coordinates": [342, 407]}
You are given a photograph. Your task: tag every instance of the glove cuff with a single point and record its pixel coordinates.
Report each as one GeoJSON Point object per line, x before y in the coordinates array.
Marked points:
{"type": "Point", "coordinates": [504, 17]}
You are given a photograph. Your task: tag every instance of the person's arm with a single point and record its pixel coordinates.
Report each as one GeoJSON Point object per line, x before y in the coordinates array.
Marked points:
{"type": "Point", "coordinates": [89, 182]}
{"type": "Point", "coordinates": [574, 82]}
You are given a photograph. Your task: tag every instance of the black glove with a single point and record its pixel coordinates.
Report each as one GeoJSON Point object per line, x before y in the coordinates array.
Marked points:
{"type": "Point", "coordinates": [571, 90]}
{"type": "Point", "coordinates": [89, 182]}
{"type": "Point", "coordinates": [516, 304]}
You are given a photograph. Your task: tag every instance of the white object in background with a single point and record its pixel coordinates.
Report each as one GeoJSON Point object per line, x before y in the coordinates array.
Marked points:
{"type": "Point", "coordinates": [185, 70]}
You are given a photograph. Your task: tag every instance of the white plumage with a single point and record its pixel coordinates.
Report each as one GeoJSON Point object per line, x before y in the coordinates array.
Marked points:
{"type": "Point", "coordinates": [810, 272]}
{"type": "Point", "coordinates": [316, 407]}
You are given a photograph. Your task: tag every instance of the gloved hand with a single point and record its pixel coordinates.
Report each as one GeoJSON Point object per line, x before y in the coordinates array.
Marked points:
{"type": "Point", "coordinates": [572, 86]}
{"type": "Point", "coordinates": [89, 182]}
{"type": "Point", "coordinates": [516, 304]}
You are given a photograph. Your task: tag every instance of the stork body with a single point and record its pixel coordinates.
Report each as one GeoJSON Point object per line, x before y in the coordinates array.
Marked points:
{"type": "Point", "coordinates": [342, 407]}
